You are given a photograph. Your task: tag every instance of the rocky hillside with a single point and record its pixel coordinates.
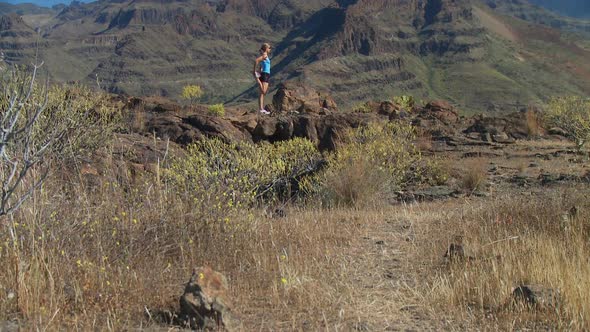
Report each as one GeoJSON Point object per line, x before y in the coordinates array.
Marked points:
{"type": "Point", "coordinates": [465, 51]}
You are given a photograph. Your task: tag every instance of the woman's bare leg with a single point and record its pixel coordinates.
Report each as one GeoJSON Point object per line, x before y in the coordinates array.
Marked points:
{"type": "Point", "coordinates": [261, 100]}
{"type": "Point", "coordinates": [263, 90]}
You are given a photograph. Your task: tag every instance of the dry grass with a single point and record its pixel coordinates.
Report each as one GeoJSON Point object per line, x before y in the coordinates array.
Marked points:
{"type": "Point", "coordinates": [358, 183]}
{"type": "Point", "coordinates": [533, 123]}
{"type": "Point", "coordinates": [474, 177]}
{"type": "Point", "coordinates": [514, 240]}
{"type": "Point", "coordinates": [95, 253]}
{"type": "Point", "coordinates": [424, 142]}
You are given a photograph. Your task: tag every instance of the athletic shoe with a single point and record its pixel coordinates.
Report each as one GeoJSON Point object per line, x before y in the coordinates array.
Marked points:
{"type": "Point", "coordinates": [264, 112]}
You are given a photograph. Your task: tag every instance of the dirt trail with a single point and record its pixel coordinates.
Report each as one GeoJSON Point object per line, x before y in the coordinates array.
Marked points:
{"type": "Point", "coordinates": [401, 247]}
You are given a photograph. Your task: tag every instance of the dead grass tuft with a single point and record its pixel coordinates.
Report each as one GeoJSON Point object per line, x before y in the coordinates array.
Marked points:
{"type": "Point", "coordinates": [533, 122]}
{"type": "Point", "coordinates": [475, 176]}
{"type": "Point", "coordinates": [357, 183]}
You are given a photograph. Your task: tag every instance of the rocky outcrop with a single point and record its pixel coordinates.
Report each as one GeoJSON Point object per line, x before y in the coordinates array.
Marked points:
{"type": "Point", "coordinates": [323, 130]}
{"type": "Point", "coordinates": [299, 111]}
{"type": "Point", "coordinates": [300, 98]}
{"type": "Point", "coordinates": [504, 129]}
{"type": "Point", "coordinates": [437, 119]}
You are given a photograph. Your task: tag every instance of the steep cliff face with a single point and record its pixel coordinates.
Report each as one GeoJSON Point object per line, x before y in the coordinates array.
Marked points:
{"type": "Point", "coordinates": [14, 25]}
{"type": "Point", "coordinates": [279, 14]}
{"type": "Point", "coordinates": [418, 27]}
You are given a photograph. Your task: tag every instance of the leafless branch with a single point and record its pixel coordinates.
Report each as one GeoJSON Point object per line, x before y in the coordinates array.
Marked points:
{"type": "Point", "coordinates": [24, 142]}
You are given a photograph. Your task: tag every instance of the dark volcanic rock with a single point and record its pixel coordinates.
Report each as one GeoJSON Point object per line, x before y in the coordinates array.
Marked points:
{"type": "Point", "coordinates": [216, 127]}
{"type": "Point", "coordinates": [323, 129]}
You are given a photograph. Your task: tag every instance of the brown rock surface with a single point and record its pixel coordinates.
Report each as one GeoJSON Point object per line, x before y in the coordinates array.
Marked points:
{"type": "Point", "coordinates": [293, 97]}
{"type": "Point", "coordinates": [204, 304]}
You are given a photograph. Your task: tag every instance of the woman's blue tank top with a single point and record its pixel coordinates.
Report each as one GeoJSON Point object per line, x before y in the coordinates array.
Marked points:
{"type": "Point", "coordinates": [265, 65]}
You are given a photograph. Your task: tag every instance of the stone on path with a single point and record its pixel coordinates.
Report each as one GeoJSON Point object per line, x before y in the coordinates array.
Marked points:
{"type": "Point", "coordinates": [204, 304]}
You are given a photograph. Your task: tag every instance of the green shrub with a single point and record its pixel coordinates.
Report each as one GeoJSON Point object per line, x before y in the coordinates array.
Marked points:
{"type": "Point", "coordinates": [432, 171]}
{"type": "Point", "coordinates": [217, 110]}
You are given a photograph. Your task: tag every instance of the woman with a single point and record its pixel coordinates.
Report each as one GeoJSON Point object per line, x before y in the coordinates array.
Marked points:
{"type": "Point", "coordinates": [263, 77]}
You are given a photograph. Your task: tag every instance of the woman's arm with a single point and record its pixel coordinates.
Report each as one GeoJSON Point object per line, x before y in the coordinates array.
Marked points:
{"type": "Point", "coordinates": [260, 58]}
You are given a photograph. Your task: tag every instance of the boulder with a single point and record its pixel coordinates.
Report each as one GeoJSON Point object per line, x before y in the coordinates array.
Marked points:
{"type": "Point", "coordinates": [204, 304]}
{"type": "Point", "coordinates": [273, 129]}
{"type": "Point", "coordinates": [437, 119]}
{"type": "Point", "coordinates": [292, 97]}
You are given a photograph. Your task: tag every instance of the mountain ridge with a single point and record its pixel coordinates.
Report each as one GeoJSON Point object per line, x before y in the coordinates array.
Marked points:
{"type": "Point", "coordinates": [480, 58]}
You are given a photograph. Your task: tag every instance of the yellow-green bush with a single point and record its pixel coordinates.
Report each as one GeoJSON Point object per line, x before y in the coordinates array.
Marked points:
{"type": "Point", "coordinates": [82, 118]}
{"type": "Point", "coordinates": [225, 177]}
{"type": "Point", "coordinates": [369, 163]}
{"type": "Point", "coordinates": [405, 101]}
{"type": "Point", "coordinates": [192, 93]}
{"type": "Point", "coordinates": [217, 110]}
{"type": "Point", "coordinates": [361, 108]}
{"type": "Point", "coordinates": [572, 114]}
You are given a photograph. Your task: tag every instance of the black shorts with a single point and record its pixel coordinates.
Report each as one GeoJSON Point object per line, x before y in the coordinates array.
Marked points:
{"type": "Point", "coordinates": [265, 77]}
